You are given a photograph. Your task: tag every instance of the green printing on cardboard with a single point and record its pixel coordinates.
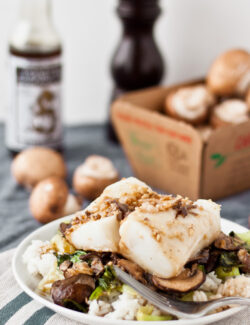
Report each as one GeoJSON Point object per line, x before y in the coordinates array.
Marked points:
{"type": "Point", "coordinates": [218, 158]}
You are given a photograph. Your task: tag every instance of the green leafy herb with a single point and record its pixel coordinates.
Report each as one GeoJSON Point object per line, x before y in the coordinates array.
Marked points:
{"type": "Point", "coordinates": [106, 283]}
{"type": "Point", "coordinates": [75, 258]}
{"type": "Point", "coordinates": [229, 259]}
{"type": "Point", "coordinates": [61, 258]}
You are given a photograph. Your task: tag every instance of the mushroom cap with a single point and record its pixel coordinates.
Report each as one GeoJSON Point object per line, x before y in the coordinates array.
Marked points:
{"type": "Point", "coordinates": [230, 73]}
{"type": "Point", "coordinates": [35, 164]}
{"type": "Point", "coordinates": [93, 176]}
{"type": "Point", "coordinates": [190, 104]}
{"type": "Point", "coordinates": [72, 205]}
{"type": "Point", "coordinates": [48, 199]}
{"type": "Point", "coordinates": [231, 111]}
{"type": "Point", "coordinates": [188, 280]}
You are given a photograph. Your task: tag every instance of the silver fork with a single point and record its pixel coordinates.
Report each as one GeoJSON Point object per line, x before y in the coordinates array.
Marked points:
{"type": "Point", "coordinates": [176, 307]}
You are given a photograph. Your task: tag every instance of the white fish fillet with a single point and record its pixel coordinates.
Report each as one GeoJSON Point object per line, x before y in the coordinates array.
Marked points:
{"type": "Point", "coordinates": [162, 243]}
{"type": "Point", "coordinates": [103, 234]}
{"type": "Point", "coordinates": [153, 236]}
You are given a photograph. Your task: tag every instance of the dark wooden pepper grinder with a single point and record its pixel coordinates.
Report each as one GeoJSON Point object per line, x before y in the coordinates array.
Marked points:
{"type": "Point", "coordinates": [137, 62]}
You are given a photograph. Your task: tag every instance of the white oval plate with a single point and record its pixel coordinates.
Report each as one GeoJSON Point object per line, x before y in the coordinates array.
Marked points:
{"type": "Point", "coordinates": [29, 284]}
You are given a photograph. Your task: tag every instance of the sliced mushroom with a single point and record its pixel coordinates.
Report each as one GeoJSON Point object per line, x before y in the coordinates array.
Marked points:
{"type": "Point", "coordinates": [64, 226]}
{"type": "Point", "coordinates": [244, 258]}
{"type": "Point", "coordinates": [124, 209]}
{"type": "Point", "coordinates": [135, 270]}
{"type": "Point", "coordinates": [97, 266]}
{"type": "Point", "coordinates": [65, 265]}
{"type": "Point", "coordinates": [212, 261]}
{"type": "Point", "coordinates": [188, 280]}
{"type": "Point", "coordinates": [228, 243]}
{"type": "Point", "coordinates": [76, 288]}
{"type": "Point", "coordinates": [201, 258]}
{"type": "Point", "coordinates": [80, 267]}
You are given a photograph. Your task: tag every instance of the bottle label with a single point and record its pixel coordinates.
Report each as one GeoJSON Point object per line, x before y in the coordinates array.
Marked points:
{"type": "Point", "coordinates": [35, 103]}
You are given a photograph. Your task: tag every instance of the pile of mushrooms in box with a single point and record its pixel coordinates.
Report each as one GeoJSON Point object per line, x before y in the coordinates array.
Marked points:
{"type": "Point", "coordinates": [223, 100]}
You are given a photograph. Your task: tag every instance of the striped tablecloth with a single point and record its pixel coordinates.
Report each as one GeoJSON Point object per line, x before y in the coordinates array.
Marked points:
{"type": "Point", "coordinates": [17, 308]}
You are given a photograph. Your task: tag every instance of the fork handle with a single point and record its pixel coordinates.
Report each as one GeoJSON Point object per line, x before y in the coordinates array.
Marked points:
{"type": "Point", "coordinates": [212, 304]}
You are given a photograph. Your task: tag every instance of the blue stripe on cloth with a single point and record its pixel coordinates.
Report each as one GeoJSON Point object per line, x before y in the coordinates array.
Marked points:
{"type": "Point", "coordinates": [13, 306]}
{"type": "Point", "coordinates": [40, 317]}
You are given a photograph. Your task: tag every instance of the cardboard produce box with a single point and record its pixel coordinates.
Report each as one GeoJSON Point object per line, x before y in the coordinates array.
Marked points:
{"type": "Point", "coordinates": [171, 155]}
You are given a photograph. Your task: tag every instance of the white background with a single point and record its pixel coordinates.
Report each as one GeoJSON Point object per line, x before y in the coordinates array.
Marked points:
{"type": "Point", "coordinates": [190, 34]}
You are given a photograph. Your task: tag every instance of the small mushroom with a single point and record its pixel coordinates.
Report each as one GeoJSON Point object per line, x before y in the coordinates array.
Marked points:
{"type": "Point", "coordinates": [97, 266]}
{"type": "Point", "coordinates": [228, 243]}
{"type": "Point", "coordinates": [188, 280]}
{"type": "Point", "coordinates": [91, 178]}
{"type": "Point", "coordinates": [229, 74]}
{"type": "Point", "coordinates": [77, 288]}
{"type": "Point", "coordinates": [229, 112]}
{"type": "Point", "coordinates": [64, 266]}
{"type": "Point", "coordinates": [78, 268]}
{"type": "Point", "coordinates": [35, 164]}
{"type": "Point", "coordinates": [133, 269]}
{"type": "Point", "coordinates": [50, 200]}
{"type": "Point", "coordinates": [190, 104]}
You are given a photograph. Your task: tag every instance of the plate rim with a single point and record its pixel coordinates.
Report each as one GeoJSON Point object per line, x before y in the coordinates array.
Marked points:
{"type": "Point", "coordinates": [97, 319]}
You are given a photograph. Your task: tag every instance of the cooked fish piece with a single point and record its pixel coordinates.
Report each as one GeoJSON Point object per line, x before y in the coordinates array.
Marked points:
{"type": "Point", "coordinates": [97, 227]}
{"type": "Point", "coordinates": [161, 237]}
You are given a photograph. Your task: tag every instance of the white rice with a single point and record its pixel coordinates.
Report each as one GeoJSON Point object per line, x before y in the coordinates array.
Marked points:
{"type": "Point", "coordinates": [211, 284]}
{"type": "Point", "coordinates": [238, 286]}
{"type": "Point", "coordinates": [199, 296]}
{"type": "Point", "coordinates": [99, 308]}
{"type": "Point", "coordinates": [38, 262]}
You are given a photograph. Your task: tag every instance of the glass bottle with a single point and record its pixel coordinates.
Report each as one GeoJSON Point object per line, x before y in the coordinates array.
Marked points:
{"type": "Point", "coordinates": [35, 75]}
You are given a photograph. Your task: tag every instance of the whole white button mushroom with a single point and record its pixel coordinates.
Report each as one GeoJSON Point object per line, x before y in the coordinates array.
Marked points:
{"type": "Point", "coordinates": [50, 200]}
{"type": "Point", "coordinates": [231, 111]}
{"type": "Point", "coordinates": [190, 104]}
{"type": "Point", "coordinates": [91, 178]}
{"type": "Point", "coordinates": [37, 163]}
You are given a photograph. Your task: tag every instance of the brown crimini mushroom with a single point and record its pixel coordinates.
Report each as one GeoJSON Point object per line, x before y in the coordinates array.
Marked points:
{"type": "Point", "coordinates": [231, 111]}
{"type": "Point", "coordinates": [230, 73]}
{"type": "Point", "coordinates": [35, 164]}
{"type": "Point", "coordinates": [76, 288]}
{"type": "Point", "coordinates": [190, 104]}
{"type": "Point", "coordinates": [91, 178]}
{"type": "Point", "coordinates": [50, 200]}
